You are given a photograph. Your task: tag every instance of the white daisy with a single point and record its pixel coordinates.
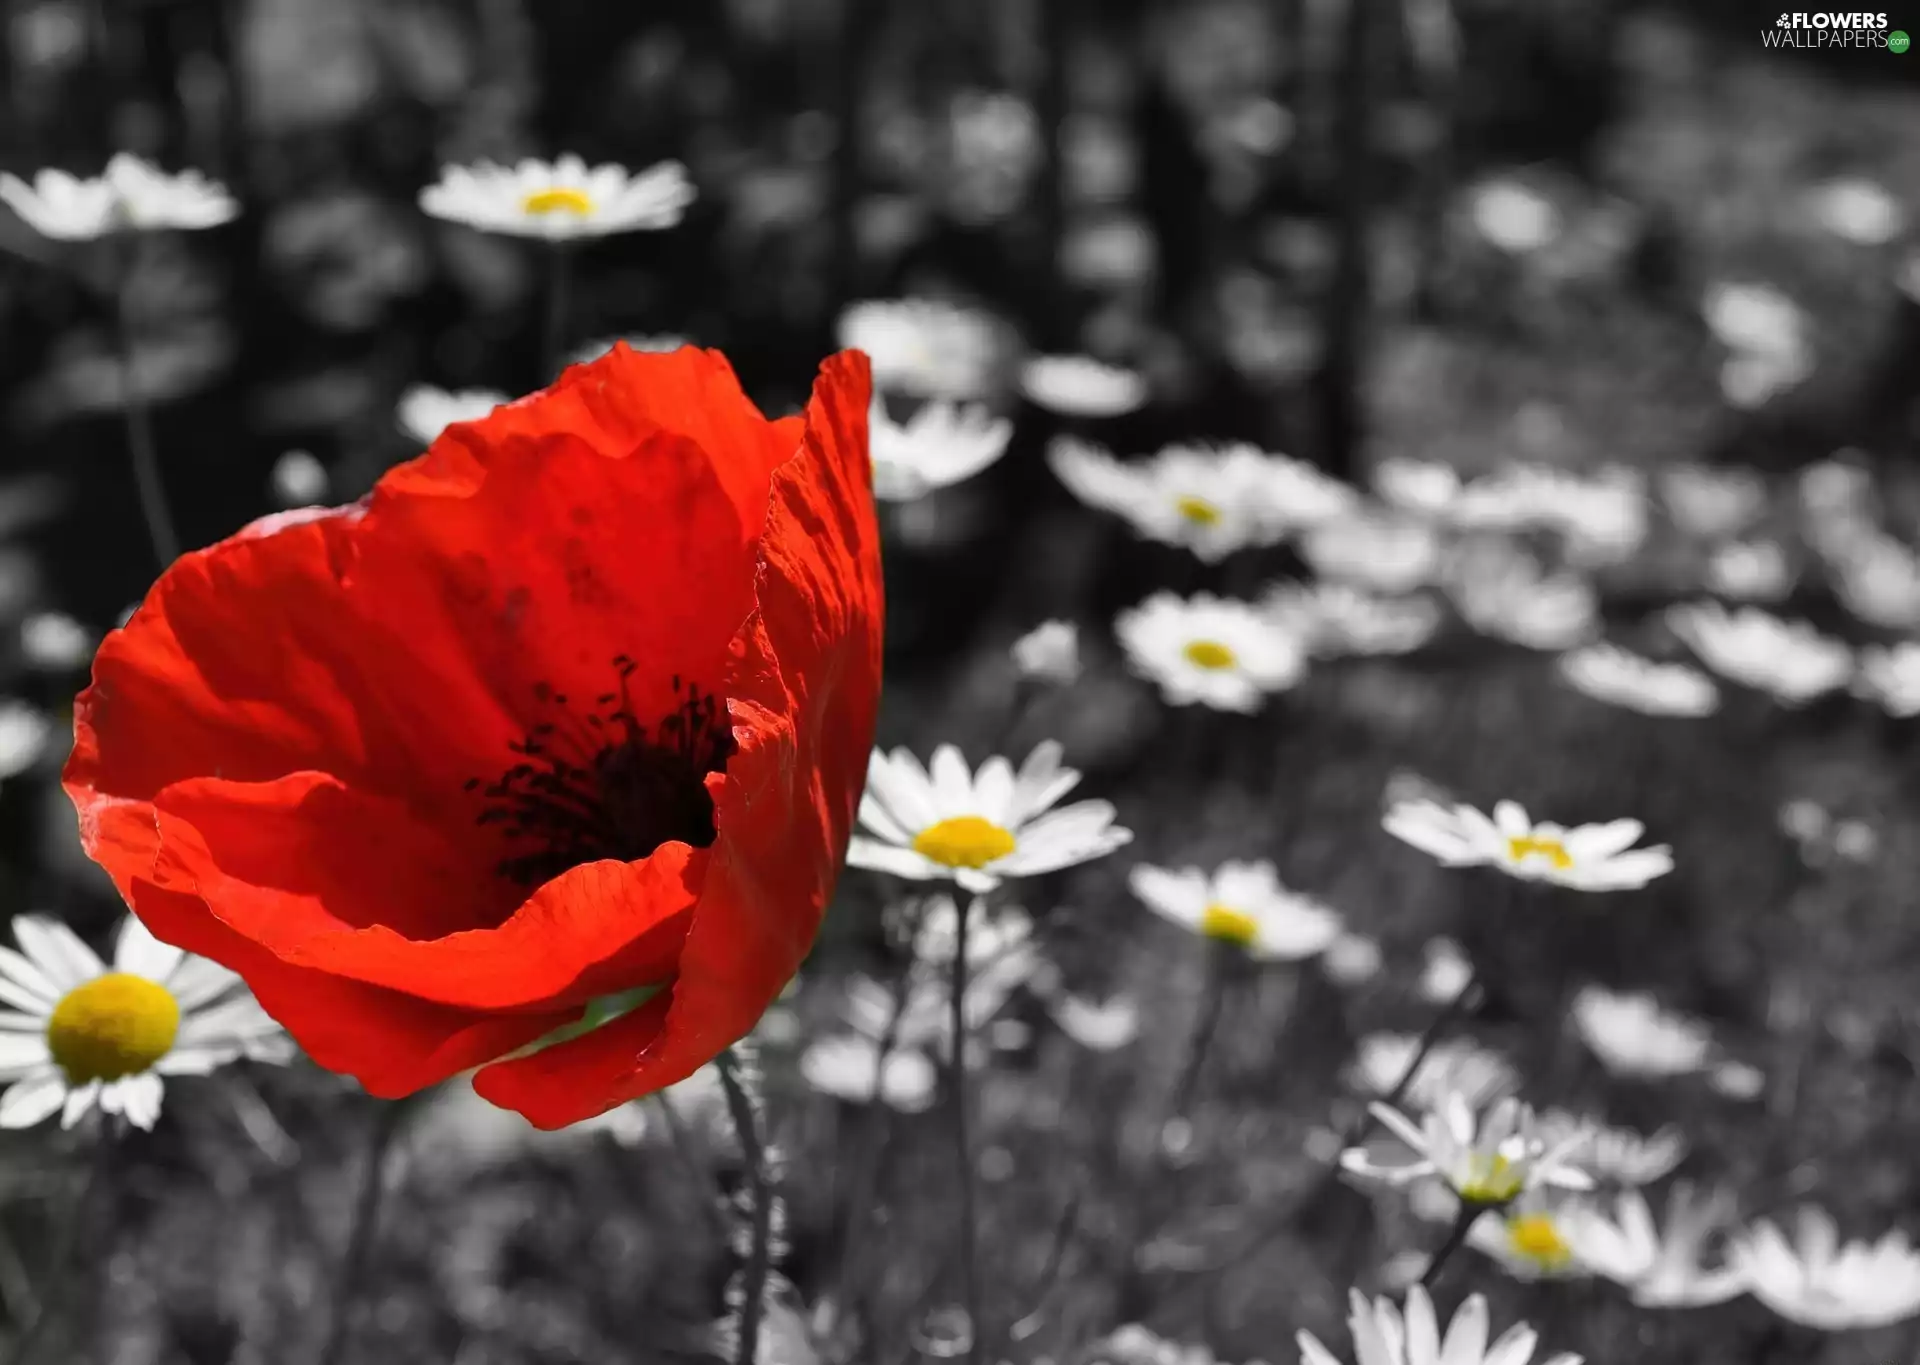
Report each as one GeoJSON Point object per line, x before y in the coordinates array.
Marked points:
{"type": "Point", "coordinates": [1050, 652]}
{"type": "Point", "coordinates": [1381, 1336]}
{"type": "Point", "coordinates": [991, 933]}
{"type": "Point", "coordinates": [1424, 488]}
{"type": "Point", "coordinates": [425, 411]}
{"type": "Point", "coordinates": [1220, 653]}
{"type": "Point", "coordinates": [24, 733]}
{"type": "Point", "coordinates": [1338, 618]}
{"type": "Point", "coordinates": [1352, 960]}
{"type": "Point", "coordinates": [1817, 1280]}
{"type": "Point", "coordinates": [1615, 1156]}
{"type": "Point", "coordinates": [1712, 503]}
{"type": "Point", "coordinates": [1619, 677]}
{"type": "Point", "coordinates": [559, 201]}
{"type": "Point", "coordinates": [1239, 903]}
{"type": "Point", "coordinates": [1586, 858]}
{"type": "Point", "coordinates": [1211, 502]}
{"type": "Point", "coordinates": [55, 642]}
{"type": "Point", "coordinates": [1750, 571]}
{"type": "Point", "coordinates": [1790, 660]}
{"type": "Point", "coordinates": [847, 1066]}
{"type": "Point", "coordinates": [941, 444]}
{"type": "Point", "coordinates": [1388, 554]}
{"type": "Point", "coordinates": [942, 821]}
{"type": "Point", "coordinates": [1514, 217]}
{"type": "Point", "coordinates": [1452, 1066]}
{"type": "Point", "coordinates": [1304, 496]}
{"type": "Point", "coordinates": [80, 1033]}
{"type": "Point", "coordinates": [1661, 1267]}
{"type": "Point", "coordinates": [1506, 595]}
{"type": "Point", "coordinates": [1445, 973]}
{"type": "Point", "coordinates": [1491, 1159]}
{"type": "Point", "coordinates": [132, 195]}
{"type": "Point", "coordinates": [1858, 210]}
{"type": "Point", "coordinates": [1531, 1237]}
{"type": "Point", "coordinates": [1078, 386]}
{"type": "Point", "coordinates": [1755, 319]}
{"type": "Point", "coordinates": [1889, 676]}
{"type": "Point", "coordinates": [1633, 1036]}
{"type": "Point", "coordinates": [1102, 1025]}
{"type": "Point", "coordinates": [924, 348]}
{"type": "Point", "coordinates": [1877, 578]}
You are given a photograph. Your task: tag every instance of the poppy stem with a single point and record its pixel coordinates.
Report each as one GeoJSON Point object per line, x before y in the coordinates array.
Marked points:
{"type": "Point", "coordinates": [141, 449]}
{"type": "Point", "coordinates": [742, 1108]}
{"type": "Point", "coordinates": [66, 1239]}
{"type": "Point", "coordinates": [559, 282]}
{"type": "Point", "coordinates": [363, 1230]}
{"type": "Point", "coordinates": [962, 1141]}
{"type": "Point", "coordinates": [1462, 1225]}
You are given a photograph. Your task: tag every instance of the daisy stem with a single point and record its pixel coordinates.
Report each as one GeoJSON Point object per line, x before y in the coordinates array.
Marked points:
{"type": "Point", "coordinates": [1205, 1025]}
{"type": "Point", "coordinates": [141, 449]}
{"type": "Point", "coordinates": [60, 1257]}
{"type": "Point", "coordinates": [363, 1230]}
{"type": "Point", "coordinates": [746, 1123]}
{"type": "Point", "coordinates": [1462, 1225]}
{"type": "Point", "coordinates": [866, 1175]}
{"type": "Point", "coordinates": [559, 281]}
{"type": "Point", "coordinates": [962, 1143]}
{"type": "Point", "coordinates": [1437, 1027]}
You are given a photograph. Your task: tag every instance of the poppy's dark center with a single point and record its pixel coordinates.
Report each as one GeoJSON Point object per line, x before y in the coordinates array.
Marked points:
{"type": "Point", "coordinates": [600, 782]}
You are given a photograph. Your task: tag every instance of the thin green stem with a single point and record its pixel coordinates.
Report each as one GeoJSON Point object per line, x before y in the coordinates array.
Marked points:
{"type": "Point", "coordinates": [962, 1141]}
{"type": "Point", "coordinates": [1206, 1025]}
{"type": "Point", "coordinates": [741, 1107]}
{"type": "Point", "coordinates": [364, 1230]}
{"type": "Point", "coordinates": [1456, 1238]}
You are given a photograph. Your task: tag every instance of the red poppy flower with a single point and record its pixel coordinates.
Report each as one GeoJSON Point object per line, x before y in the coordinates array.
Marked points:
{"type": "Point", "coordinates": [579, 701]}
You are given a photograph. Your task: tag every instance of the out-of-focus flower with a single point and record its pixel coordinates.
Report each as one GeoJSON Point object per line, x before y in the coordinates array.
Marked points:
{"type": "Point", "coordinates": [977, 828]}
{"type": "Point", "coordinates": [1877, 578]}
{"type": "Point", "coordinates": [1889, 676]}
{"type": "Point", "coordinates": [924, 348]}
{"type": "Point", "coordinates": [1611, 674]}
{"type": "Point", "coordinates": [1211, 502]}
{"type": "Point", "coordinates": [559, 201]}
{"type": "Point", "coordinates": [1858, 210]}
{"type": "Point", "coordinates": [1352, 959]}
{"type": "Point", "coordinates": [848, 1066]}
{"type": "Point", "coordinates": [1767, 334]}
{"type": "Point", "coordinates": [1633, 1036]}
{"type": "Point", "coordinates": [299, 480]}
{"type": "Point", "coordinates": [1790, 660]}
{"type": "Point", "coordinates": [1585, 858]}
{"type": "Point", "coordinates": [1506, 595]}
{"type": "Point", "coordinates": [1737, 1080]}
{"type": "Point", "coordinates": [1835, 491]}
{"type": "Point", "coordinates": [1750, 571]}
{"type": "Point", "coordinates": [1446, 972]}
{"type": "Point", "coordinates": [1817, 1280]}
{"type": "Point", "coordinates": [1710, 502]}
{"type": "Point", "coordinates": [1388, 554]}
{"type": "Point", "coordinates": [1530, 1237]}
{"type": "Point", "coordinates": [1604, 517]}
{"type": "Point", "coordinates": [1333, 619]}
{"type": "Point", "coordinates": [80, 1033]}
{"type": "Point", "coordinates": [1103, 1026]}
{"type": "Point", "coordinates": [53, 641]}
{"type": "Point", "coordinates": [1079, 386]}
{"type": "Point", "coordinates": [1615, 1156]}
{"type": "Point", "coordinates": [1240, 903]}
{"type": "Point", "coordinates": [425, 411]}
{"type": "Point", "coordinates": [991, 933]}
{"type": "Point", "coordinates": [1661, 1267]}
{"type": "Point", "coordinates": [942, 444]}
{"type": "Point", "coordinates": [1424, 488]}
{"type": "Point", "coordinates": [1451, 1066]}
{"type": "Point", "coordinates": [1209, 650]}
{"type": "Point", "coordinates": [1382, 1337]}
{"type": "Point", "coordinates": [656, 342]}
{"type": "Point", "coordinates": [1513, 216]}
{"type": "Point", "coordinates": [131, 196]}
{"type": "Point", "coordinates": [24, 733]}
{"type": "Point", "coordinates": [1490, 1160]}
{"type": "Point", "coordinates": [1050, 652]}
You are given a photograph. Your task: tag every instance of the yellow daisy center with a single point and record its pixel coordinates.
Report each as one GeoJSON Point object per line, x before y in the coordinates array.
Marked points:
{"type": "Point", "coordinates": [1490, 1180]}
{"type": "Point", "coordinates": [1535, 1237]}
{"type": "Point", "coordinates": [1210, 654]}
{"type": "Point", "coordinates": [1229, 925]}
{"type": "Point", "coordinates": [964, 841]}
{"type": "Point", "coordinates": [1521, 848]}
{"type": "Point", "coordinates": [557, 200]}
{"type": "Point", "coordinates": [115, 1025]}
{"type": "Point", "coordinates": [1197, 510]}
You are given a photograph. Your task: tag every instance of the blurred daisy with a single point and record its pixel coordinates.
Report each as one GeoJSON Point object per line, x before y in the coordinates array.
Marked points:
{"type": "Point", "coordinates": [1585, 858]}
{"type": "Point", "coordinates": [559, 201]}
{"type": "Point", "coordinates": [848, 1067]}
{"type": "Point", "coordinates": [1858, 210]}
{"type": "Point", "coordinates": [991, 932]}
{"type": "Point", "coordinates": [1836, 491]}
{"type": "Point", "coordinates": [650, 342]}
{"type": "Point", "coordinates": [1789, 660]}
{"type": "Point", "coordinates": [1618, 677]}
{"type": "Point", "coordinates": [1451, 1066]}
{"type": "Point", "coordinates": [1508, 597]}
{"type": "Point", "coordinates": [923, 348]}
{"type": "Point", "coordinates": [55, 642]}
{"type": "Point", "coordinates": [1633, 1036]}
{"type": "Point", "coordinates": [1304, 497]}
{"type": "Point", "coordinates": [1211, 502]}
{"type": "Point", "coordinates": [1381, 1336]}
{"type": "Point", "coordinates": [1750, 571]}
{"type": "Point", "coordinates": [944, 822]}
{"type": "Point", "coordinates": [1050, 652]}
{"type": "Point", "coordinates": [1425, 488]}
{"type": "Point", "coordinates": [1388, 554]}
{"type": "Point", "coordinates": [298, 480]}
{"type": "Point", "coordinates": [1101, 1026]}
{"type": "Point", "coordinates": [1530, 1237]}
{"type": "Point", "coordinates": [1078, 386]}
{"type": "Point", "coordinates": [131, 196]}
{"type": "Point", "coordinates": [1889, 676]}
{"type": "Point", "coordinates": [1239, 903]}
{"type": "Point", "coordinates": [1877, 578]}
{"type": "Point", "coordinates": [941, 444]}
{"type": "Point", "coordinates": [1767, 334]}
{"type": "Point", "coordinates": [1513, 217]}
{"type": "Point", "coordinates": [1352, 959]}
{"type": "Point", "coordinates": [1818, 1281]}
{"type": "Point", "coordinates": [1737, 1080]}
{"type": "Point", "coordinates": [24, 733]}
{"type": "Point", "coordinates": [1616, 1156]}
{"type": "Point", "coordinates": [1220, 653]}
{"type": "Point", "coordinates": [1333, 619]}
{"type": "Point", "coordinates": [1604, 517]}
{"type": "Point", "coordinates": [80, 1033]}
{"type": "Point", "coordinates": [1445, 973]}
{"type": "Point", "coordinates": [1661, 1267]}
{"type": "Point", "coordinates": [1712, 503]}
{"type": "Point", "coordinates": [425, 411]}
{"type": "Point", "coordinates": [1491, 1159]}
